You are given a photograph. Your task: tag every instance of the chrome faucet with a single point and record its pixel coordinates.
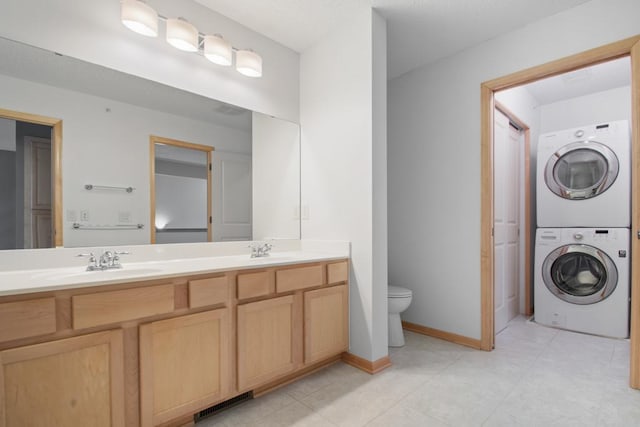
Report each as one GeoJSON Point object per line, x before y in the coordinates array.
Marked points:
{"type": "Point", "coordinates": [108, 260]}
{"type": "Point", "coordinates": [259, 251]}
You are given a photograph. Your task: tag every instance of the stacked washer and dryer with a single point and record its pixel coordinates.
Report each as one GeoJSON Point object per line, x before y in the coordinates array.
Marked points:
{"type": "Point", "coordinates": [581, 275]}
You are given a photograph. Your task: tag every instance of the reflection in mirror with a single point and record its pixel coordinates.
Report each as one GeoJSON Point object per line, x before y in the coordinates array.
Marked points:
{"type": "Point", "coordinates": [180, 191]}
{"type": "Point", "coordinates": [108, 118]}
{"type": "Point", "coordinates": [276, 178]}
{"type": "Point", "coordinates": [28, 168]}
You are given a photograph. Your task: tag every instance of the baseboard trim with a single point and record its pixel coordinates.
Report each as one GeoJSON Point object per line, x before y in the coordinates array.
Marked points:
{"type": "Point", "coordinates": [443, 335]}
{"type": "Point", "coordinates": [259, 391]}
{"type": "Point", "coordinates": [367, 365]}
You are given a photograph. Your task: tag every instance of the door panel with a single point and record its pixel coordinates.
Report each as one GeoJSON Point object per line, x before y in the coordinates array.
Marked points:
{"type": "Point", "coordinates": [231, 196]}
{"type": "Point", "coordinates": [506, 220]}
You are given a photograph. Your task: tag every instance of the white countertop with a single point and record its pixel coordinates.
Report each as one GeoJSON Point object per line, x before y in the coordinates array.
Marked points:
{"type": "Point", "coordinates": [24, 281]}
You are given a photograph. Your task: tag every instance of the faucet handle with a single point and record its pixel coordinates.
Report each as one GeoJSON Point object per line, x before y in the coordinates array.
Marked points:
{"type": "Point", "coordinates": [90, 254]}
{"type": "Point", "coordinates": [93, 263]}
{"type": "Point", "coordinates": [116, 257]}
{"type": "Point", "coordinates": [254, 250]}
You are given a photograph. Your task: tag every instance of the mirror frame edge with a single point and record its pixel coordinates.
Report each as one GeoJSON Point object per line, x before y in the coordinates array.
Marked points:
{"type": "Point", "coordinates": [56, 164]}
{"type": "Point", "coordinates": [153, 140]}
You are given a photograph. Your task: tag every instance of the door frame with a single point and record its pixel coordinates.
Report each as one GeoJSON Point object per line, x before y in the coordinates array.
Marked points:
{"type": "Point", "coordinates": [56, 163]}
{"type": "Point", "coordinates": [525, 228]}
{"type": "Point", "coordinates": [153, 140]}
{"type": "Point", "coordinates": [628, 47]}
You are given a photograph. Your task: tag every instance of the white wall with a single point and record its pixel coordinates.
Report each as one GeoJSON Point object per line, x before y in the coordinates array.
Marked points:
{"type": "Point", "coordinates": [340, 96]}
{"type": "Point", "coordinates": [109, 148]}
{"type": "Point", "coordinates": [7, 135]}
{"type": "Point", "coordinates": [434, 157]}
{"type": "Point", "coordinates": [600, 107]}
{"type": "Point", "coordinates": [275, 178]}
{"type": "Point", "coordinates": [181, 201]}
{"type": "Point", "coordinates": [92, 31]}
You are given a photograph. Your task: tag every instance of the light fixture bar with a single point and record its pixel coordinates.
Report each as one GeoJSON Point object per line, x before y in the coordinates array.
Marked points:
{"type": "Point", "coordinates": [143, 19]}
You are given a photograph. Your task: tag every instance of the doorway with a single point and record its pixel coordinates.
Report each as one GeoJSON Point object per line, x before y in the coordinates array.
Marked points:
{"type": "Point", "coordinates": [30, 153]}
{"type": "Point", "coordinates": [180, 184]}
{"type": "Point", "coordinates": [628, 47]}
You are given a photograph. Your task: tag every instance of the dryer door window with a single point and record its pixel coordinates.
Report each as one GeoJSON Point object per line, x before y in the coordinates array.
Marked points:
{"type": "Point", "coordinates": [579, 274]}
{"type": "Point", "coordinates": [581, 170]}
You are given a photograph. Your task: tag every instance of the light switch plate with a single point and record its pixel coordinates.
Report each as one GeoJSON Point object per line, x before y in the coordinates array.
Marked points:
{"type": "Point", "coordinates": [124, 216]}
{"type": "Point", "coordinates": [72, 215]}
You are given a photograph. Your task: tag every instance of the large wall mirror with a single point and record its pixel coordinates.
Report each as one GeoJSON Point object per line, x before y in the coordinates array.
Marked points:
{"type": "Point", "coordinates": [105, 120]}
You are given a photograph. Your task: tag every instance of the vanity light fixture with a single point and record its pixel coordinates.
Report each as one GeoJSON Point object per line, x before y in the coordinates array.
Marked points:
{"type": "Point", "coordinates": [218, 50]}
{"type": "Point", "coordinates": [248, 63]}
{"type": "Point", "coordinates": [143, 19]}
{"type": "Point", "coordinates": [182, 35]}
{"type": "Point", "coordinates": [138, 16]}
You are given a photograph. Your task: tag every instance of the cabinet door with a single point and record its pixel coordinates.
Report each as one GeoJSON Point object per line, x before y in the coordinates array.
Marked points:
{"type": "Point", "coordinates": [70, 382]}
{"type": "Point", "coordinates": [184, 365]}
{"type": "Point", "coordinates": [326, 323]}
{"type": "Point", "coordinates": [266, 341]}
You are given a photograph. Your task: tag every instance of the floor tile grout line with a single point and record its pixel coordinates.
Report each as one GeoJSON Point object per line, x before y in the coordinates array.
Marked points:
{"type": "Point", "coordinates": [402, 397]}
{"type": "Point", "coordinates": [521, 378]}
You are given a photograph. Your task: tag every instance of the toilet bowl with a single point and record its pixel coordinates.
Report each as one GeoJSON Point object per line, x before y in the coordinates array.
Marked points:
{"type": "Point", "coordinates": [399, 300]}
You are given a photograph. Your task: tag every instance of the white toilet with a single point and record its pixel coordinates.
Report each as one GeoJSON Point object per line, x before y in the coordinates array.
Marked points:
{"type": "Point", "coordinates": [399, 300]}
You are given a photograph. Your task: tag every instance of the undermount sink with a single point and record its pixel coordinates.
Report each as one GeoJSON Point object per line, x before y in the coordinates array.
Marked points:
{"type": "Point", "coordinates": [95, 275]}
{"type": "Point", "coordinates": [277, 258]}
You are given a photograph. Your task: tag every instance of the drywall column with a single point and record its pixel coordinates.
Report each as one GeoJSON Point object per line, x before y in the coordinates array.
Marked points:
{"type": "Point", "coordinates": [343, 127]}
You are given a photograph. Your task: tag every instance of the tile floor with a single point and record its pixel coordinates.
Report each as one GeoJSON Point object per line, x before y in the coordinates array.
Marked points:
{"type": "Point", "coordinates": [537, 376]}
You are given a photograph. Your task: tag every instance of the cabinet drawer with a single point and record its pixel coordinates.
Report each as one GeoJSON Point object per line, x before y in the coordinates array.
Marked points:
{"type": "Point", "coordinates": [203, 292]}
{"type": "Point", "coordinates": [22, 319]}
{"type": "Point", "coordinates": [298, 278]}
{"type": "Point", "coordinates": [253, 285]}
{"type": "Point", "coordinates": [337, 272]}
{"type": "Point", "coordinates": [117, 306]}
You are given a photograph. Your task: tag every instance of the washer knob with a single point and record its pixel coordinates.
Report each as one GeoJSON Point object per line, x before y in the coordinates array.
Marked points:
{"type": "Point", "coordinates": [579, 133]}
{"type": "Point", "coordinates": [578, 236]}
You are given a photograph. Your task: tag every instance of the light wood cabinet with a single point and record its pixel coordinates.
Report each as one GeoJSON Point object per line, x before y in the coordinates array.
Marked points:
{"type": "Point", "coordinates": [102, 308]}
{"type": "Point", "coordinates": [268, 340]}
{"type": "Point", "coordinates": [29, 318]}
{"type": "Point", "coordinates": [185, 365]}
{"type": "Point", "coordinates": [69, 382]}
{"type": "Point", "coordinates": [159, 351]}
{"type": "Point", "coordinates": [326, 323]}
{"type": "Point", "coordinates": [292, 279]}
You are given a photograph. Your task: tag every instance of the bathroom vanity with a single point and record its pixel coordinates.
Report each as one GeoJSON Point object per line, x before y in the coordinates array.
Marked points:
{"type": "Point", "coordinates": [155, 343]}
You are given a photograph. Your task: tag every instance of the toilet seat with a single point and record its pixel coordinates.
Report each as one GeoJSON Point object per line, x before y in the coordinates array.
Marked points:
{"type": "Point", "coordinates": [398, 292]}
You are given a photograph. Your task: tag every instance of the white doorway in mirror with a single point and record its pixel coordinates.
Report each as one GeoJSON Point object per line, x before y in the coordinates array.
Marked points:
{"type": "Point", "coordinates": [232, 213]}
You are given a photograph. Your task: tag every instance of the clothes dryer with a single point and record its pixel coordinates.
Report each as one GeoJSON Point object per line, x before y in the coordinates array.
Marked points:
{"type": "Point", "coordinates": [581, 280]}
{"type": "Point", "coordinates": [583, 177]}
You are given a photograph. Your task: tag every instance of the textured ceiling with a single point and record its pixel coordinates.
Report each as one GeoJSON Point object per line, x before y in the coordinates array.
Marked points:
{"type": "Point", "coordinates": [419, 31]}
{"type": "Point", "coordinates": [597, 78]}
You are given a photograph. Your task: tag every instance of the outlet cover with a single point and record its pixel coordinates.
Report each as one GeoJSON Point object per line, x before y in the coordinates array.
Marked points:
{"type": "Point", "coordinates": [124, 216]}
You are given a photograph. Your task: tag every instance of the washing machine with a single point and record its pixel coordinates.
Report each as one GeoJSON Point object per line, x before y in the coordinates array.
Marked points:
{"type": "Point", "coordinates": [581, 280]}
{"type": "Point", "coordinates": [583, 177]}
